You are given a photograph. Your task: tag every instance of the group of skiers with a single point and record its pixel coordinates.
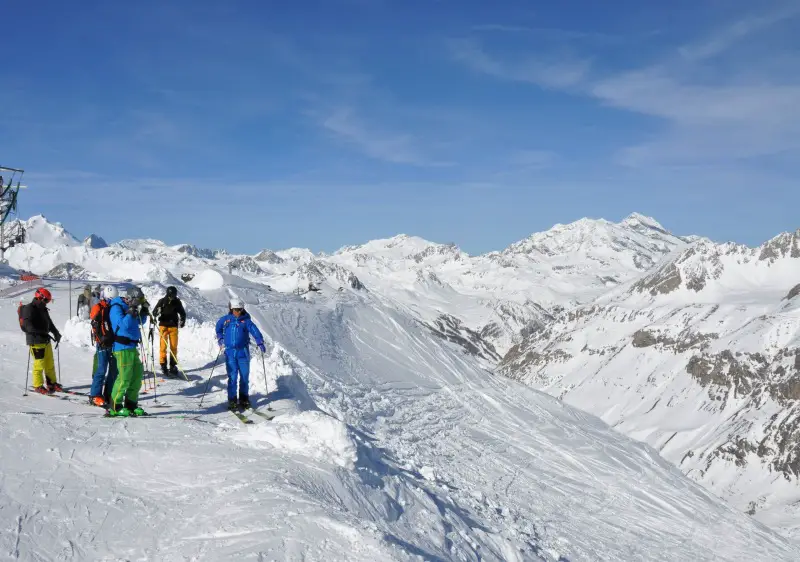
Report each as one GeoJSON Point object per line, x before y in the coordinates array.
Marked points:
{"type": "Point", "coordinates": [117, 332]}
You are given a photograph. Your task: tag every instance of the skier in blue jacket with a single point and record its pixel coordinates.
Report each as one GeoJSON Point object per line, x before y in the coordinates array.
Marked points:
{"type": "Point", "coordinates": [126, 316]}
{"type": "Point", "coordinates": [233, 335]}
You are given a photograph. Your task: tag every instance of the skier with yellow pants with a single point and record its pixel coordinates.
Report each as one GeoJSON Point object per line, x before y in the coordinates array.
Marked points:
{"type": "Point", "coordinates": [36, 323]}
{"type": "Point", "coordinates": [127, 314]}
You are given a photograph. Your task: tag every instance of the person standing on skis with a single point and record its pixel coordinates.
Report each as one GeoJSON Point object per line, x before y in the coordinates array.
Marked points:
{"type": "Point", "coordinates": [171, 314]}
{"type": "Point", "coordinates": [233, 336]}
{"type": "Point", "coordinates": [105, 364]}
{"type": "Point", "coordinates": [37, 325]}
{"type": "Point", "coordinates": [127, 316]}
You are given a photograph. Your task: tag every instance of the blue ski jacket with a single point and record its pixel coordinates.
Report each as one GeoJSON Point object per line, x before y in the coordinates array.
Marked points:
{"type": "Point", "coordinates": [235, 332]}
{"type": "Point", "coordinates": [124, 324]}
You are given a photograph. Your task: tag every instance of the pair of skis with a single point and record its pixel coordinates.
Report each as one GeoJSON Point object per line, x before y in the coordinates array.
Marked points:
{"type": "Point", "coordinates": [240, 415]}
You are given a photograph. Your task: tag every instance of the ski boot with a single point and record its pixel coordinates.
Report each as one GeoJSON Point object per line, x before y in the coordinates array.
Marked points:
{"type": "Point", "coordinates": [173, 370]}
{"type": "Point", "coordinates": [42, 390]}
{"type": "Point", "coordinates": [233, 405]}
{"type": "Point", "coordinates": [138, 411]}
{"type": "Point", "coordinates": [244, 403]}
{"type": "Point", "coordinates": [97, 401]}
{"type": "Point", "coordinates": [54, 387]}
{"type": "Point", "coordinates": [123, 413]}
{"type": "Point", "coordinates": [164, 371]}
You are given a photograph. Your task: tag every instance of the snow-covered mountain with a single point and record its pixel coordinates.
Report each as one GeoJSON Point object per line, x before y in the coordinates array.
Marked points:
{"type": "Point", "coordinates": [614, 318]}
{"type": "Point", "coordinates": [389, 444]}
{"type": "Point", "coordinates": [700, 358]}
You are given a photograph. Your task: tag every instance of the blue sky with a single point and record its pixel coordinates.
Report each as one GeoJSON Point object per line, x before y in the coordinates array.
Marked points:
{"type": "Point", "coordinates": [316, 124]}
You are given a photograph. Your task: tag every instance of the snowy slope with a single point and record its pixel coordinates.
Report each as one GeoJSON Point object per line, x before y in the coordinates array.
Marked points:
{"type": "Point", "coordinates": [699, 358]}
{"type": "Point", "coordinates": [393, 445]}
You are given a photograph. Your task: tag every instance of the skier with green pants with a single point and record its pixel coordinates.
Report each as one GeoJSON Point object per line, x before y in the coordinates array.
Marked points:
{"type": "Point", "coordinates": [127, 315]}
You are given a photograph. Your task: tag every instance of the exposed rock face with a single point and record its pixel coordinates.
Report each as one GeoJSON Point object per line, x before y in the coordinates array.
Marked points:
{"type": "Point", "coordinates": [268, 256]}
{"type": "Point", "coordinates": [60, 272]}
{"type": "Point", "coordinates": [452, 329]}
{"type": "Point", "coordinates": [95, 242]}
{"type": "Point", "coordinates": [318, 272]}
{"type": "Point", "coordinates": [246, 264]}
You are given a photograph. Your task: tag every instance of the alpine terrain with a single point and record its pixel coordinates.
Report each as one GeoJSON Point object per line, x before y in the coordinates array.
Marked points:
{"type": "Point", "coordinates": [398, 408]}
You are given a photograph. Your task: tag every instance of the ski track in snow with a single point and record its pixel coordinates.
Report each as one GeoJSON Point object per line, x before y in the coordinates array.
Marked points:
{"type": "Point", "coordinates": [390, 445]}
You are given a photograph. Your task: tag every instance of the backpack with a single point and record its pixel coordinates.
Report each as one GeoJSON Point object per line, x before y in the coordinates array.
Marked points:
{"type": "Point", "coordinates": [22, 316]}
{"type": "Point", "coordinates": [102, 332]}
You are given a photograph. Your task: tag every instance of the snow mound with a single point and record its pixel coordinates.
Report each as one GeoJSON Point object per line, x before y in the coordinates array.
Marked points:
{"type": "Point", "coordinates": [207, 280]}
{"type": "Point", "coordinates": [311, 433]}
{"type": "Point", "coordinates": [78, 332]}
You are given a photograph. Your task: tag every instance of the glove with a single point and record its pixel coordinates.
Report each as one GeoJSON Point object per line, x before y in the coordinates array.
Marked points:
{"type": "Point", "coordinates": [221, 345]}
{"type": "Point", "coordinates": [183, 323]}
{"type": "Point", "coordinates": [262, 347]}
{"type": "Point", "coordinates": [57, 337]}
{"type": "Point", "coordinates": [133, 310]}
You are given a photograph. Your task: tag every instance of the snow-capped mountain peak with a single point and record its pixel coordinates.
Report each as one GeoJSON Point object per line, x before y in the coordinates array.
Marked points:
{"type": "Point", "coordinates": [95, 242]}
{"type": "Point", "coordinates": [47, 234]}
{"type": "Point", "coordinates": [642, 223]}
{"type": "Point", "coordinates": [636, 243]}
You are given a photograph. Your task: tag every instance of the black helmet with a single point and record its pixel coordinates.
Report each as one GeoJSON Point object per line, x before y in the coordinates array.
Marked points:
{"type": "Point", "coordinates": [134, 294]}
{"type": "Point", "coordinates": [172, 292]}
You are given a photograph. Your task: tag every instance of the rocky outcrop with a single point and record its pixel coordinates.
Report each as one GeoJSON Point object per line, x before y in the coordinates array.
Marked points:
{"type": "Point", "coordinates": [452, 329]}
{"type": "Point", "coordinates": [94, 242]}
{"type": "Point", "coordinates": [245, 264]}
{"type": "Point", "coordinates": [269, 257]}
{"type": "Point", "coordinates": [60, 272]}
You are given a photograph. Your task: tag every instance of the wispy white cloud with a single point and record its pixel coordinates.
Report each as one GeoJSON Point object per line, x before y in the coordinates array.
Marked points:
{"type": "Point", "coordinates": [399, 148]}
{"type": "Point", "coordinates": [728, 35]}
{"type": "Point", "coordinates": [748, 108]}
{"type": "Point", "coordinates": [539, 70]}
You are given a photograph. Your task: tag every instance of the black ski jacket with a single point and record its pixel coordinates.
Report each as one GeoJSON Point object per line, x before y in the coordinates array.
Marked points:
{"type": "Point", "coordinates": [170, 312]}
{"type": "Point", "coordinates": [37, 323]}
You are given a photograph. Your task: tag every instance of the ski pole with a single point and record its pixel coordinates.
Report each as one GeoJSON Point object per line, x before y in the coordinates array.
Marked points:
{"type": "Point", "coordinates": [58, 355]}
{"type": "Point", "coordinates": [27, 372]}
{"type": "Point", "coordinates": [266, 388]}
{"type": "Point", "coordinates": [210, 375]}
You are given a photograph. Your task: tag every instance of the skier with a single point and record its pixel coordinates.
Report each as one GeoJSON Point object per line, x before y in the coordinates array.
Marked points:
{"type": "Point", "coordinates": [105, 364]}
{"type": "Point", "coordinates": [84, 303]}
{"type": "Point", "coordinates": [38, 326]}
{"type": "Point", "coordinates": [127, 315]}
{"type": "Point", "coordinates": [171, 314]}
{"type": "Point", "coordinates": [233, 336]}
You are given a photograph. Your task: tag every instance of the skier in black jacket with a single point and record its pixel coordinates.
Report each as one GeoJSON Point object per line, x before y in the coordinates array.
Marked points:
{"type": "Point", "coordinates": [171, 315]}
{"type": "Point", "coordinates": [38, 326]}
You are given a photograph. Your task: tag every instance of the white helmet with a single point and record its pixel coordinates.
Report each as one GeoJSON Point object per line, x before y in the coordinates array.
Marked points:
{"type": "Point", "coordinates": [235, 302]}
{"type": "Point", "coordinates": [110, 292]}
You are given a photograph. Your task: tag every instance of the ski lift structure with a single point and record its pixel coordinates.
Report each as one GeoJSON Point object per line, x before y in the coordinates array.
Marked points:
{"type": "Point", "coordinates": [11, 230]}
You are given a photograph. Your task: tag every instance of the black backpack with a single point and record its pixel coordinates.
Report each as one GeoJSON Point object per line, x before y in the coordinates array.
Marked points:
{"type": "Point", "coordinates": [23, 316]}
{"type": "Point", "coordinates": [102, 331]}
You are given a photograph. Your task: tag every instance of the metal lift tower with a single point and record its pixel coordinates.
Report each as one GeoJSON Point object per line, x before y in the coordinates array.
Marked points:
{"type": "Point", "coordinates": [11, 231]}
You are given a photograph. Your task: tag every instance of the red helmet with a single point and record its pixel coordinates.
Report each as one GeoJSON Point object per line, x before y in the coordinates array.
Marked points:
{"type": "Point", "coordinates": [43, 294]}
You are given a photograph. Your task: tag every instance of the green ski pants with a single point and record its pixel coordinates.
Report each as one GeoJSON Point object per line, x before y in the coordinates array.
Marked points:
{"type": "Point", "coordinates": [125, 393]}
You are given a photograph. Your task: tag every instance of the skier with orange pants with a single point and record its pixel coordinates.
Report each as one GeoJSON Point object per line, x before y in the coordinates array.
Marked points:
{"type": "Point", "coordinates": [171, 315]}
